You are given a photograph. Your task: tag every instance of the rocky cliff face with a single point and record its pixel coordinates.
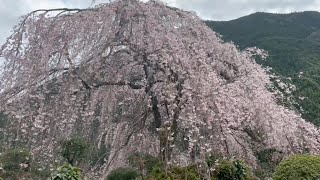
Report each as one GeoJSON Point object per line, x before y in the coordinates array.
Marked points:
{"type": "Point", "coordinates": [144, 77]}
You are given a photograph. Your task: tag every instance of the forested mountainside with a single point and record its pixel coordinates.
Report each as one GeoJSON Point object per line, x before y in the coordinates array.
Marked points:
{"type": "Point", "coordinates": [293, 43]}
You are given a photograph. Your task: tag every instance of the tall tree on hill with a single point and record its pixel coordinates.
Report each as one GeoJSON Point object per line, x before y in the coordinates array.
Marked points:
{"type": "Point", "coordinates": [148, 77]}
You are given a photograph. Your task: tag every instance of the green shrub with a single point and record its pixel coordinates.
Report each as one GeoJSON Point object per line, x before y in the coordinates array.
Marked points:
{"type": "Point", "coordinates": [123, 174]}
{"type": "Point", "coordinates": [213, 159]}
{"type": "Point", "coordinates": [74, 150]}
{"type": "Point", "coordinates": [15, 160]}
{"type": "Point", "coordinates": [15, 163]}
{"type": "Point", "coordinates": [174, 172]}
{"type": "Point", "coordinates": [67, 172]}
{"type": "Point", "coordinates": [268, 160]}
{"type": "Point", "coordinates": [298, 167]}
{"type": "Point", "coordinates": [231, 170]}
{"type": "Point", "coordinates": [98, 156]}
{"type": "Point", "coordinates": [143, 162]}
{"type": "Point", "coordinates": [220, 170]}
{"type": "Point", "coordinates": [18, 164]}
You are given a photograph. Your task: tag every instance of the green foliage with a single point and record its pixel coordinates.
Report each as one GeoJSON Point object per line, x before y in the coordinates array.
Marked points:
{"type": "Point", "coordinates": [159, 173]}
{"type": "Point", "coordinates": [15, 163]}
{"type": "Point", "coordinates": [213, 160]}
{"type": "Point", "coordinates": [231, 170]}
{"type": "Point", "coordinates": [298, 167]}
{"type": "Point", "coordinates": [74, 150]}
{"type": "Point", "coordinates": [4, 123]}
{"type": "Point", "coordinates": [292, 41]}
{"type": "Point", "coordinates": [265, 155]}
{"type": "Point", "coordinates": [123, 174]}
{"type": "Point", "coordinates": [143, 162]}
{"type": "Point", "coordinates": [246, 30]}
{"type": "Point", "coordinates": [3, 120]}
{"type": "Point", "coordinates": [99, 155]}
{"type": "Point", "coordinates": [67, 172]}
{"type": "Point", "coordinates": [220, 170]}
{"type": "Point", "coordinates": [268, 159]}
{"type": "Point", "coordinates": [14, 159]}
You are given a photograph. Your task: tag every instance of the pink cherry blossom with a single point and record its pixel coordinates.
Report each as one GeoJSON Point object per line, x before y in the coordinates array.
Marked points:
{"type": "Point", "coordinates": [123, 73]}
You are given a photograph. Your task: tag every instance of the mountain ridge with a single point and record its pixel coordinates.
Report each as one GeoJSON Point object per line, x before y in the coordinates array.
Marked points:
{"type": "Point", "coordinates": [297, 25]}
{"type": "Point", "coordinates": [293, 43]}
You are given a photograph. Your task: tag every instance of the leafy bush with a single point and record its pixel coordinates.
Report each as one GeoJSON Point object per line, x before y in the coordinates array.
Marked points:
{"type": "Point", "coordinates": [231, 170]}
{"type": "Point", "coordinates": [123, 174]}
{"type": "Point", "coordinates": [15, 160]}
{"type": "Point", "coordinates": [143, 162]}
{"type": "Point", "coordinates": [268, 160]}
{"type": "Point", "coordinates": [67, 172]}
{"type": "Point", "coordinates": [74, 150]}
{"type": "Point", "coordinates": [98, 156]}
{"type": "Point", "coordinates": [18, 164]}
{"type": "Point", "coordinates": [298, 167]}
{"type": "Point", "coordinates": [15, 163]}
{"type": "Point", "coordinates": [174, 172]}
{"type": "Point", "coordinates": [213, 159]}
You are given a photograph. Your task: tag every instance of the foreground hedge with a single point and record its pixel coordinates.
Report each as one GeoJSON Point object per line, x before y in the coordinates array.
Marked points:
{"type": "Point", "coordinates": [298, 167]}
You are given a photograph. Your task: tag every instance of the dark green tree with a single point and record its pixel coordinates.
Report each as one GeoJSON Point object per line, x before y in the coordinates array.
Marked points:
{"type": "Point", "coordinates": [74, 150]}
{"type": "Point", "coordinates": [298, 167]}
{"type": "Point", "coordinates": [123, 174]}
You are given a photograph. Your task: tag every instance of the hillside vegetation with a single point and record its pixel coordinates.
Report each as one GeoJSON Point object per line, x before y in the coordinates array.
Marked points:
{"type": "Point", "coordinates": [293, 43]}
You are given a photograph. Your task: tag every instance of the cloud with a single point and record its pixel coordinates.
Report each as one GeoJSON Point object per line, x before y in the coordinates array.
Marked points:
{"type": "Point", "coordinates": [231, 9]}
{"type": "Point", "coordinates": [11, 10]}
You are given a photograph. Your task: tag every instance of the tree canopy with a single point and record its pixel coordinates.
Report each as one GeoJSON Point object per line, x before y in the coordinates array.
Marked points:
{"type": "Point", "coordinates": [146, 77]}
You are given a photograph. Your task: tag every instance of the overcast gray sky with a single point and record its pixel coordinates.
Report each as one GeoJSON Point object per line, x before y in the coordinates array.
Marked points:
{"type": "Point", "coordinates": [10, 10]}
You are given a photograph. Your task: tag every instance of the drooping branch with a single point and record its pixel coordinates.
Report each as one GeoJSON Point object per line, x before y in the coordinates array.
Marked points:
{"type": "Point", "coordinates": [149, 76]}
